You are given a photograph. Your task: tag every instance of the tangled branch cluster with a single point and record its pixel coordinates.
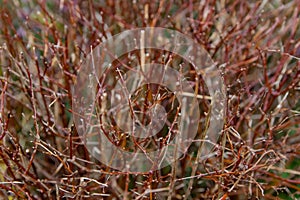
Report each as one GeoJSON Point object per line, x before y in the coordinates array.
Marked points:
{"type": "Point", "coordinates": [256, 47]}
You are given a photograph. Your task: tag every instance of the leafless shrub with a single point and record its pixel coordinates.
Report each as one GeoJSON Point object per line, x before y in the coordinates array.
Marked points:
{"type": "Point", "coordinates": [256, 46]}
